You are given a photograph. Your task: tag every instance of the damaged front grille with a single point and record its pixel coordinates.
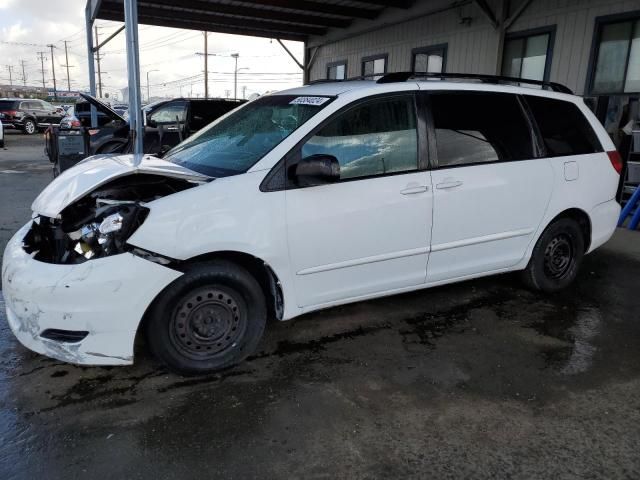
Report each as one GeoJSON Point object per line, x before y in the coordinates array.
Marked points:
{"type": "Point", "coordinates": [99, 224]}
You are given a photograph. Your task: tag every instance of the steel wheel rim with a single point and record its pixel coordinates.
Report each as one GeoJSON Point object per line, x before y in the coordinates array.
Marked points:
{"type": "Point", "coordinates": [209, 322]}
{"type": "Point", "coordinates": [558, 257]}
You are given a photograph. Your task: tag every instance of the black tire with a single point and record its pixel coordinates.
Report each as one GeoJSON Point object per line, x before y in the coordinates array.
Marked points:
{"type": "Point", "coordinates": [209, 319]}
{"type": "Point", "coordinates": [556, 258]}
{"type": "Point", "coordinates": [29, 127]}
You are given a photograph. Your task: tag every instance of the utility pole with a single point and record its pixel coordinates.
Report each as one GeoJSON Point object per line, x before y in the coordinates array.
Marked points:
{"type": "Point", "coordinates": [10, 68]}
{"type": "Point", "coordinates": [244, 92]}
{"type": "Point", "coordinates": [53, 72]}
{"type": "Point", "coordinates": [24, 75]}
{"type": "Point", "coordinates": [66, 57]}
{"type": "Point", "coordinates": [235, 76]}
{"type": "Point", "coordinates": [148, 91]}
{"type": "Point", "coordinates": [98, 62]}
{"type": "Point", "coordinates": [206, 67]}
{"type": "Point", "coordinates": [42, 57]}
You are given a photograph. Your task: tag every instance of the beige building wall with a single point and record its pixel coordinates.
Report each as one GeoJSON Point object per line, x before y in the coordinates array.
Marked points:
{"type": "Point", "coordinates": [473, 43]}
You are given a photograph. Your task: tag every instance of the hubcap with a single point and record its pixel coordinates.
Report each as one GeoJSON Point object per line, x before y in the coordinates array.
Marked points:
{"type": "Point", "coordinates": [558, 257]}
{"type": "Point", "coordinates": [208, 322]}
{"type": "Point", "coordinates": [30, 127]}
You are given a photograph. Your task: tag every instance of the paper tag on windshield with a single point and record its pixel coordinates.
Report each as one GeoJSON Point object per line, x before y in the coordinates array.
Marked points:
{"type": "Point", "coordinates": [308, 101]}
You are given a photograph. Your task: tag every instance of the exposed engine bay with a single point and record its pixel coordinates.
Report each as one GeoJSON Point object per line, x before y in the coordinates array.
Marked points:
{"type": "Point", "coordinates": [99, 224]}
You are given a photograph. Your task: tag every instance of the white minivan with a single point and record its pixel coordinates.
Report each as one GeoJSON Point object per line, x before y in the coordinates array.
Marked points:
{"type": "Point", "coordinates": [313, 197]}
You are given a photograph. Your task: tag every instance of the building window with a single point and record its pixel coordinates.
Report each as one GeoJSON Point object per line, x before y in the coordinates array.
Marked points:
{"type": "Point", "coordinates": [337, 70]}
{"type": "Point", "coordinates": [616, 68]}
{"type": "Point", "coordinates": [429, 59]}
{"type": "Point", "coordinates": [374, 66]}
{"type": "Point", "coordinates": [528, 54]}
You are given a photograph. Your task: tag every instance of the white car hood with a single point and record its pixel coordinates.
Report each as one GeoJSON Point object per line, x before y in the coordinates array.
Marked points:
{"type": "Point", "coordinates": [95, 171]}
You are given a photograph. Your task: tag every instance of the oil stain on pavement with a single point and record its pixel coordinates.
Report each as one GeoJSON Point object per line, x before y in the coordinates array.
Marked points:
{"type": "Point", "coordinates": [480, 379]}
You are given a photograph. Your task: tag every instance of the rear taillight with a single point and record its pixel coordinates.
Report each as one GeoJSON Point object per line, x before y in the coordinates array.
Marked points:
{"type": "Point", "coordinates": [616, 160]}
{"type": "Point", "coordinates": [11, 113]}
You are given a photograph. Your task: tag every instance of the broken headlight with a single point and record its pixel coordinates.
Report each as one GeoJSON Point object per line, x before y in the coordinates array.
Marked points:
{"type": "Point", "coordinates": [107, 233]}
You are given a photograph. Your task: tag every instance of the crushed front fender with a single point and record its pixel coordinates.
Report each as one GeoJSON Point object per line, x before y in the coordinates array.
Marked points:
{"type": "Point", "coordinates": [105, 297]}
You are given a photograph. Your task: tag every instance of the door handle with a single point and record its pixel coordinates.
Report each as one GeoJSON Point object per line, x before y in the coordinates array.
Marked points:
{"type": "Point", "coordinates": [448, 184]}
{"type": "Point", "coordinates": [414, 190]}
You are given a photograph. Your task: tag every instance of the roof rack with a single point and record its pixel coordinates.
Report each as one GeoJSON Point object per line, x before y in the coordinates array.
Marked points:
{"type": "Point", "coordinates": [494, 79]}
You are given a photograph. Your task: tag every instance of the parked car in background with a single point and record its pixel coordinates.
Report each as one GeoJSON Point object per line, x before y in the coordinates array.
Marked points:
{"type": "Point", "coordinates": [313, 197]}
{"type": "Point", "coordinates": [167, 123]}
{"type": "Point", "coordinates": [1, 135]}
{"type": "Point", "coordinates": [29, 115]}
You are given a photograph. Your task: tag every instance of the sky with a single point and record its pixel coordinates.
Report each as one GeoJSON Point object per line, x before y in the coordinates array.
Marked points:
{"type": "Point", "coordinates": [168, 55]}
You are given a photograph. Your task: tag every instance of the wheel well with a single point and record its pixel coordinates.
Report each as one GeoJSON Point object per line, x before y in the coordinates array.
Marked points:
{"type": "Point", "coordinates": [581, 217]}
{"type": "Point", "coordinates": [259, 269]}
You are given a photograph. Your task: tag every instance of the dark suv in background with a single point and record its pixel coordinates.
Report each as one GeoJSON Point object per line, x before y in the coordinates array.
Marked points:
{"type": "Point", "coordinates": [29, 115]}
{"type": "Point", "coordinates": [167, 123]}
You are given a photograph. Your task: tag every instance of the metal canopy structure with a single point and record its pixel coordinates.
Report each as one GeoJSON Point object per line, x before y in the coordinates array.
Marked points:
{"type": "Point", "coordinates": [284, 19]}
{"type": "Point", "coordinates": [279, 19]}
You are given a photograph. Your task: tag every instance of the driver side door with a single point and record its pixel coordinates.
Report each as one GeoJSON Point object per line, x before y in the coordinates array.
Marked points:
{"type": "Point", "coordinates": [369, 232]}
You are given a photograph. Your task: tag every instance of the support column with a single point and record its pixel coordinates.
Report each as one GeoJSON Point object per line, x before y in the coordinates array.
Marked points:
{"type": "Point", "coordinates": [92, 70]}
{"type": "Point", "coordinates": [136, 124]}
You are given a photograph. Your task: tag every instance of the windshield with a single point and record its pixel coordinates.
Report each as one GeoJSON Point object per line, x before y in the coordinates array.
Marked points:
{"type": "Point", "coordinates": [235, 142]}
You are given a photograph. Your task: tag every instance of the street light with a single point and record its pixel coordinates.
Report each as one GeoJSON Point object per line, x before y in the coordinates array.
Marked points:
{"type": "Point", "coordinates": [148, 96]}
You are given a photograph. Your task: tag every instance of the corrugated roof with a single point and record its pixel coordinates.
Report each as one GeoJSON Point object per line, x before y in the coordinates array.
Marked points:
{"type": "Point", "coordinates": [284, 19]}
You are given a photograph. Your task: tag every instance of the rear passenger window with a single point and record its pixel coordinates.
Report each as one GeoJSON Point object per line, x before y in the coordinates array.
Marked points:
{"type": "Point", "coordinates": [375, 138]}
{"type": "Point", "coordinates": [475, 127]}
{"type": "Point", "coordinates": [563, 127]}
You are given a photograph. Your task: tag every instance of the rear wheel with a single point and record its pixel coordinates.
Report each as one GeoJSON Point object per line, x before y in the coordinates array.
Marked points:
{"type": "Point", "coordinates": [556, 257]}
{"type": "Point", "coordinates": [29, 127]}
{"type": "Point", "coordinates": [209, 319]}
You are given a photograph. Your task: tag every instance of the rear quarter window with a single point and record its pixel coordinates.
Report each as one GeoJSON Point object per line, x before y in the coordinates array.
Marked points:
{"type": "Point", "coordinates": [563, 127]}
{"type": "Point", "coordinates": [8, 105]}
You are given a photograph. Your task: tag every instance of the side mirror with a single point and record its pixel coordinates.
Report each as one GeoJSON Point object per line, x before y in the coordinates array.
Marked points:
{"type": "Point", "coordinates": [317, 170]}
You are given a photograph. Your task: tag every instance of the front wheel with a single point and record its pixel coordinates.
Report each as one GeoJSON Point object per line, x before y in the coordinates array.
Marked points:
{"type": "Point", "coordinates": [209, 319]}
{"type": "Point", "coordinates": [556, 258]}
{"type": "Point", "coordinates": [30, 127]}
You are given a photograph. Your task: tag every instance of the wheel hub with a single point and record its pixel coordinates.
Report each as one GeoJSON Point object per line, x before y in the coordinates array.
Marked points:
{"type": "Point", "coordinates": [558, 256]}
{"type": "Point", "coordinates": [207, 322]}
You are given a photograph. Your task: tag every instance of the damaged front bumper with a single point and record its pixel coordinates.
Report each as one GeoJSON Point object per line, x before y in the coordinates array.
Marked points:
{"type": "Point", "coordinates": [90, 311]}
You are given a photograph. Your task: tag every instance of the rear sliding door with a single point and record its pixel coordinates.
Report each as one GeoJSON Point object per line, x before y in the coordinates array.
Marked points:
{"type": "Point", "coordinates": [490, 190]}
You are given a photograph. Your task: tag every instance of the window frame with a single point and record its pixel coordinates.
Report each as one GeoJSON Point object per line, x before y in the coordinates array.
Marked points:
{"type": "Point", "coordinates": [534, 32]}
{"type": "Point", "coordinates": [373, 58]}
{"type": "Point", "coordinates": [429, 50]}
{"type": "Point", "coordinates": [601, 22]}
{"type": "Point", "coordinates": [337, 64]}
{"type": "Point", "coordinates": [536, 139]}
{"type": "Point", "coordinates": [270, 183]}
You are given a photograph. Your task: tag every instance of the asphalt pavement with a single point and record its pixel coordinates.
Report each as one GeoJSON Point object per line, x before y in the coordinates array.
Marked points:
{"type": "Point", "coordinates": [482, 379]}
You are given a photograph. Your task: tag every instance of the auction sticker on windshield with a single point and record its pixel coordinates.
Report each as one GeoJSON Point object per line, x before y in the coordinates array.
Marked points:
{"type": "Point", "coordinates": [309, 101]}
